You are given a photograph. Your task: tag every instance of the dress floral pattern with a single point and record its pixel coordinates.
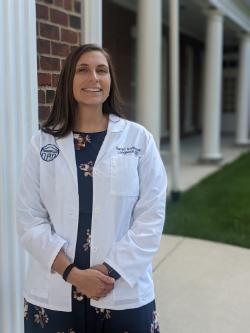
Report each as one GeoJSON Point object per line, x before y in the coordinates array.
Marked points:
{"type": "Point", "coordinates": [41, 317]}
{"type": "Point", "coordinates": [103, 313]}
{"type": "Point", "coordinates": [26, 309]}
{"type": "Point", "coordinates": [87, 243]}
{"type": "Point", "coordinates": [80, 140]}
{"type": "Point", "coordinates": [84, 318]}
{"type": "Point", "coordinates": [78, 296]}
{"type": "Point", "coordinates": [87, 168]}
{"type": "Point", "coordinates": [155, 324]}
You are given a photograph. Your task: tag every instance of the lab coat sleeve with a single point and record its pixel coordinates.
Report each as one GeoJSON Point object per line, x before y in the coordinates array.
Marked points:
{"type": "Point", "coordinates": [131, 255]}
{"type": "Point", "coordinates": [33, 224]}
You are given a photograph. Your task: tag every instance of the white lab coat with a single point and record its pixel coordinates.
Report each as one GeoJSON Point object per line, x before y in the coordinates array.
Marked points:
{"type": "Point", "coordinates": [129, 195]}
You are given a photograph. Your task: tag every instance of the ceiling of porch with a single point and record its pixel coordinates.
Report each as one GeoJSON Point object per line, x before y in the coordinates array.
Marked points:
{"type": "Point", "coordinates": [193, 17]}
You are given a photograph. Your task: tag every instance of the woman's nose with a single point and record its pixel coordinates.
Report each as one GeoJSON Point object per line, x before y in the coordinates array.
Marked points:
{"type": "Point", "coordinates": [94, 75]}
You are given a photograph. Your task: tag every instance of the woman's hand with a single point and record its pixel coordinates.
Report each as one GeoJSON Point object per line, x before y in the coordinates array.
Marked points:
{"type": "Point", "coordinates": [91, 282]}
{"type": "Point", "coordinates": [101, 268]}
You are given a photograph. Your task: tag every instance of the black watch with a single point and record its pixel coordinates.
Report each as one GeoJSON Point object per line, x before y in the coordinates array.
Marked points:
{"type": "Point", "coordinates": [111, 272]}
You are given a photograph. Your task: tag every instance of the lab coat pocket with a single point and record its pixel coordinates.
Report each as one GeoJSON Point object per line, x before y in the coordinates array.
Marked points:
{"type": "Point", "coordinates": [124, 293]}
{"type": "Point", "coordinates": [124, 175]}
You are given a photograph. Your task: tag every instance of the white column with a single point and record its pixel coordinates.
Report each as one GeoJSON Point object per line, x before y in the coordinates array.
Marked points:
{"type": "Point", "coordinates": [212, 87]}
{"type": "Point", "coordinates": [91, 22]}
{"type": "Point", "coordinates": [202, 90]}
{"type": "Point", "coordinates": [164, 101]}
{"type": "Point", "coordinates": [243, 105]}
{"type": "Point", "coordinates": [174, 86]}
{"type": "Point", "coordinates": [188, 120]}
{"type": "Point", "coordinates": [148, 111]}
{"type": "Point", "coordinates": [18, 120]}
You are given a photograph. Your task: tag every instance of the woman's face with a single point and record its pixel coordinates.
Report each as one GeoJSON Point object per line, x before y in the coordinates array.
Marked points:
{"type": "Point", "coordinates": [91, 83]}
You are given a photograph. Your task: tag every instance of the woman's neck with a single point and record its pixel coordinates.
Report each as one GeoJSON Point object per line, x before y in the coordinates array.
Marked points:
{"type": "Point", "coordinates": [90, 120]}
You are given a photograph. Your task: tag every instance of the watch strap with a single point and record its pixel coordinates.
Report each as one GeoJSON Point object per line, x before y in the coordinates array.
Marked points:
{"type": "Point", "coordinates": [111, 272]}
{"type": "Point", "coordinates": [68, 269]}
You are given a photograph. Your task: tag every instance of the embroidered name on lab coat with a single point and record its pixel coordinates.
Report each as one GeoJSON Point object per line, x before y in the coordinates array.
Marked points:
{"type": "Point", "coordinates": [128, 150]}
{"type": "Point", "coordinates": [49, 152]}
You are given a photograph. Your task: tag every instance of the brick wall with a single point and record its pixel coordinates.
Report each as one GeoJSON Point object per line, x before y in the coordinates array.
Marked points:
{"type": "Point", "coordinates": [58, 31]}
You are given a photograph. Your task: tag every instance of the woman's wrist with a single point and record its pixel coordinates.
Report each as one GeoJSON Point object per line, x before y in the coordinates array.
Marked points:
{"type": "Point", "coordinates": [74, 276]}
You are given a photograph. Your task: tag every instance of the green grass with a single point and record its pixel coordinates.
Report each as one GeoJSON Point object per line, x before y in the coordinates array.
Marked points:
{"type": "Point", "coordinates": [216, 209]}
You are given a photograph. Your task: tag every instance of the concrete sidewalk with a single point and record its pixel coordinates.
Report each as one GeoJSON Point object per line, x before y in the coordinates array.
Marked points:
{"type": "Point", "coordinates": [202, 287]}
{"type": "Point", "coordinates": [191, 170]}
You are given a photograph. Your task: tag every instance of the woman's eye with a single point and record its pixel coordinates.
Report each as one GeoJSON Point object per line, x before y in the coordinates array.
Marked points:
{"type": "Point", "coordinates": [82, 70]}
{"type": "Point", "coordinates": [102, 71]}
{"type": "Point", "coordinates": [99, 71]}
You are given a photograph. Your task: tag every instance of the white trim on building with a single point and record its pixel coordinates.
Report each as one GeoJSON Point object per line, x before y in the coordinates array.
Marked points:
{"type": "Point", "coordinates": [234, 12]}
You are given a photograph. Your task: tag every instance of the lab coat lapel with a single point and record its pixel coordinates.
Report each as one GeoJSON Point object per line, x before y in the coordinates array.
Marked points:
{"type": "Point", "coordinates": [115, 124]}
{"type": "Point", "coordinates": [66, 146]}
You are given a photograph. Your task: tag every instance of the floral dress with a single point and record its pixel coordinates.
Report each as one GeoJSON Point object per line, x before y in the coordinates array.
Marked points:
{"type": "Point", "coordinates": [84, 318]}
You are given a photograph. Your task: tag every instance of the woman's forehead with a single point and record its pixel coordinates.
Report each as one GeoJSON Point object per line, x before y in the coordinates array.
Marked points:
{"type": "Point", "coordinates": [92, 58]}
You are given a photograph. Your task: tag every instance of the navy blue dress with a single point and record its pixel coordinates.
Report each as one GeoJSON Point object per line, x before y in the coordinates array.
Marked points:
{"type": "Point", "coordinates": [84, 318]}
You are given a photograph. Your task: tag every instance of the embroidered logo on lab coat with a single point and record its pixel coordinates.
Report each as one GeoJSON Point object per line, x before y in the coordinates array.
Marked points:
{"type": "Point", "coordinates": [49, 152]}
{"type": "Point", "coordinates": [128, 150]}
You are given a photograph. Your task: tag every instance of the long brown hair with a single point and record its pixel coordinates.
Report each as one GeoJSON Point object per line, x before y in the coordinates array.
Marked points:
{"type": "Point", "coordinates": [61, 119]}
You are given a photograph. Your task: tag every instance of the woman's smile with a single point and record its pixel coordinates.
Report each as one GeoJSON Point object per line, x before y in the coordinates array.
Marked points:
{"type": "Point", "coordinates": [91, 90]}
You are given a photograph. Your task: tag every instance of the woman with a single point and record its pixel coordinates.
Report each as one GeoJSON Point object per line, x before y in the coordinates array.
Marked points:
{"type": "Point", "coordinates": [90, 209]}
